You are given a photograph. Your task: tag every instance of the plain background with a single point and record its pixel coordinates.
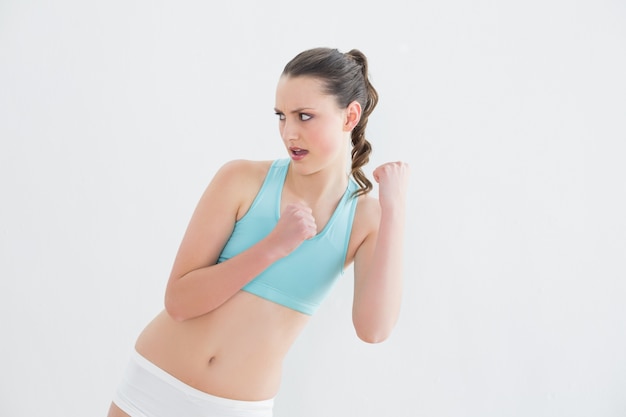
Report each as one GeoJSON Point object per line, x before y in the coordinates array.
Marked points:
{"type": "Point", "coordinates": [115, 115]}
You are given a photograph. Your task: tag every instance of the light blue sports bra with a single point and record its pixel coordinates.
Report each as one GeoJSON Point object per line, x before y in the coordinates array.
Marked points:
{"type": "Point", "coordinates": [302, 279]}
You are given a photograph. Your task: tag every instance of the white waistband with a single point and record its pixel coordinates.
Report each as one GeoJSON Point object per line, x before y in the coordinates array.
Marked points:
{"type": "Point", "coordinates": [155, 370]}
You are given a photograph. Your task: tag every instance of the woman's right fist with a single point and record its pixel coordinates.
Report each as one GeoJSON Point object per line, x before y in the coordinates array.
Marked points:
{"type": "Point", "coordinates": [295, 225]}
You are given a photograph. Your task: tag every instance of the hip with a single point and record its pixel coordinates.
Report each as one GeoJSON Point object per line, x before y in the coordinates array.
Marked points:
{"type": "Point", "coordinates": [147, 390]}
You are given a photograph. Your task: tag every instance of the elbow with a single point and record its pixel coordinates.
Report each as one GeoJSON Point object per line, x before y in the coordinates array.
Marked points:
{"type": "Point", "coordinates": [174, 313]}
{"type": "Point", "coordinates": [175, 309]}
{"type": "Point", "coordinates": [179, 318]}
{"type": "Point", "coordinates": [370, 331]}
{"type": "Point", "coordinates": [181, 309]}
{"type": "Point", "coordinates": [373, 328]}
{"type": "Point", "coordinates": [372, 337]}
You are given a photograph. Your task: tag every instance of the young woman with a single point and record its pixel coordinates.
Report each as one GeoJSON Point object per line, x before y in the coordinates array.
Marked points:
{"type": "Point", "coordinates": [264, 246]}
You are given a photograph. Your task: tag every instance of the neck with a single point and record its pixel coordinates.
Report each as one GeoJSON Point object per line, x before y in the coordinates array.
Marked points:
{"type": "Point", "coordinates": [329, 182]}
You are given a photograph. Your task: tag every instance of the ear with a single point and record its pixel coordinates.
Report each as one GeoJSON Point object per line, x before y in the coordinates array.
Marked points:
{"type": "Point", "coordinates": [353, 115]}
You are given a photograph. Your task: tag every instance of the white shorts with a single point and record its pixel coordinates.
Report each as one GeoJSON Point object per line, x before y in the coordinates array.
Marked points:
{"type": "Point", "coordinates": [148, 391]}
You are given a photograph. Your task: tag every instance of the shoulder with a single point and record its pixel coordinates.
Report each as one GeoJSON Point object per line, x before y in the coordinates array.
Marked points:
{"type": "Point", "coordinates": [239, 181]}
{"type": "Point", "coordinates": [242, 169]}
{"type": "Point", "coordinates": [240, 175]}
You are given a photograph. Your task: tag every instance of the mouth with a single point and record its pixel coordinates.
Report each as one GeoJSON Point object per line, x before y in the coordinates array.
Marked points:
{"type": "Point", "coordinates": [298, 153]}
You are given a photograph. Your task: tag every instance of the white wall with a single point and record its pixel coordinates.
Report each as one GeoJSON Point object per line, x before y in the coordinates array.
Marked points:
{"type": "Point", "coordinates": [114, 116]}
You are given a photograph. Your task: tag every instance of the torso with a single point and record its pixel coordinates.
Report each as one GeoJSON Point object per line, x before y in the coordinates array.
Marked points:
{"type": "Point", "coordinates": [235, 351]}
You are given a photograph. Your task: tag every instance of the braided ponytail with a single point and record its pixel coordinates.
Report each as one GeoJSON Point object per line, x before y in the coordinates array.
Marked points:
{"type": "Point", "coordinates": [361, 147]}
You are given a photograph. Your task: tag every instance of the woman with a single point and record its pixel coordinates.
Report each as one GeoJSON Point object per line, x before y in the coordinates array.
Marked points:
{"type": "Point", "coordinates": [264, 246]}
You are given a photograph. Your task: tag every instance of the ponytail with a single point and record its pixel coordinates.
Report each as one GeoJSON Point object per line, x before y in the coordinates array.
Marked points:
{"type": "Point", "coordinates": [361, 147]}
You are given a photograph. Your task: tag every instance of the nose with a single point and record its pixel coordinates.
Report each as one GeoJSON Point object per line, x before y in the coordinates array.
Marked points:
{"type": "Point", "coordinates": [289, 130]}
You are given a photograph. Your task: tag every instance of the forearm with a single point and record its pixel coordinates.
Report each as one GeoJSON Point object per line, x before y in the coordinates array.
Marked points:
{"type": "Point", "coordinates": [202, 290]}
{"type": "Point", "coordinates": [378, 292]}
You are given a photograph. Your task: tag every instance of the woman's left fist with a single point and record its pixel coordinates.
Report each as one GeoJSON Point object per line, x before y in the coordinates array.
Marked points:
{"type": "Point", "coordinates": [393, 181]}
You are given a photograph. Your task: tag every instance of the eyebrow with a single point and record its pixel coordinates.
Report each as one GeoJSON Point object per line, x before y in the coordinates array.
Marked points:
{"type": "Point", "coordinates": [298, 110]}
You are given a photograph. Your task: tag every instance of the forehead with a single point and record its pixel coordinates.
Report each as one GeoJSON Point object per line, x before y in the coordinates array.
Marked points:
{"type": "Point", "coordinates": [301, 91]}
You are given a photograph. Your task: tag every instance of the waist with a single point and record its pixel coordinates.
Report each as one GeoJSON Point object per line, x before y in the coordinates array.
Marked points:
{"type": "Point", "coordinates": [235, 351]}
{"type": "Point", "coordinates": [138, 360]}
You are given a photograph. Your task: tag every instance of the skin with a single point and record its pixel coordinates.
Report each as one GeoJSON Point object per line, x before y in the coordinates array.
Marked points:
{"type": "Point", "coordinates": [230, 343]}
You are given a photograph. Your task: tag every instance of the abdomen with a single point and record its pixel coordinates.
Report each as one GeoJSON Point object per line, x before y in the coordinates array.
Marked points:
{"type": "Point", "coordinates": [235, 351]}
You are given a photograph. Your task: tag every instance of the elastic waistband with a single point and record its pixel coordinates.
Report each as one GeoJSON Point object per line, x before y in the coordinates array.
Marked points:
{"type": "Point", "coordinates": [194, 392]}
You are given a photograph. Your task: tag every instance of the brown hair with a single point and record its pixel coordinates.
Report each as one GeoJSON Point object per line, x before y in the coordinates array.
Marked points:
{"type": "Point", "coordinates": [346, 77]}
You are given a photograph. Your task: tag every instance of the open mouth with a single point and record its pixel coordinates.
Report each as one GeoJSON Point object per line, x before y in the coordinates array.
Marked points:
{"type": "Point", "coordinates": [298, 153]}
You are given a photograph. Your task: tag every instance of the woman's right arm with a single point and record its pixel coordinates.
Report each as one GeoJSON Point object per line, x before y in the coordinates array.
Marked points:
{"type": "Point", "coordinates": [197, 283]}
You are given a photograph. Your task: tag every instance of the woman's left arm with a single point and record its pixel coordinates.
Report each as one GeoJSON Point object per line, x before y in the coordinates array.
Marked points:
{"type": "Point", "coordinates": [379, 259]}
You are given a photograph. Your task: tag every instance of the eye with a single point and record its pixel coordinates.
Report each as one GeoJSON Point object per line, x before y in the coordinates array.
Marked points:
{"type": "Point", "coordinates": [280, 115]}
{"type": "Point", "coordinates": [304, 117]}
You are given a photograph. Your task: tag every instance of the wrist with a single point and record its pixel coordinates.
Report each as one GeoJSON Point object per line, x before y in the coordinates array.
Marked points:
{"type": "Point", "coordinates": [270, 249]}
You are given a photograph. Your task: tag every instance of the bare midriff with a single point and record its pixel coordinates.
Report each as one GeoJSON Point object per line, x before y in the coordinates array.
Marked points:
{"type": "Point", "coordinates": [235, 351]}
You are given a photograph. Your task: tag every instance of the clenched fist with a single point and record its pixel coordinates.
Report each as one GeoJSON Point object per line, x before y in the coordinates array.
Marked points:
{"type": "Point", "coordinates": [295, 225]}
{"type": "Point", "coordinates": [393, 180]}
